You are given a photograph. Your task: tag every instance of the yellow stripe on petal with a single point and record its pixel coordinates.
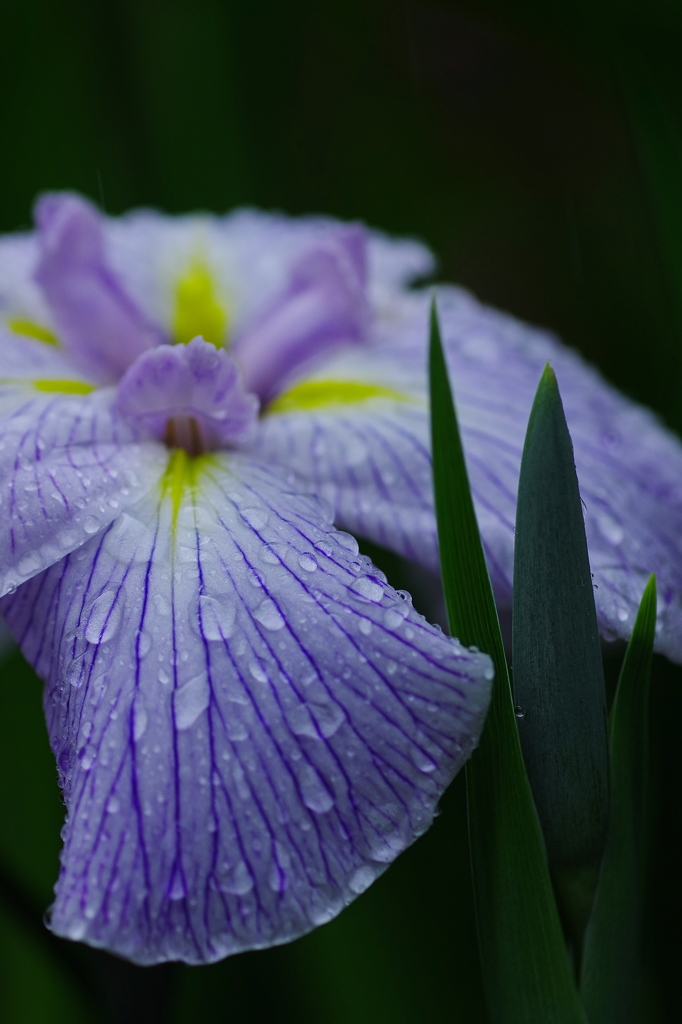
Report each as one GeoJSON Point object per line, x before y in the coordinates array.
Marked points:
{"type": "Point", "coordinates": [32, 330]}
{"type": "Point", "coordinates": [198, 309]}
{"type": "Point", "coordinates": [65, 387]}
{"type": "Point", "coordinates": [182, 477]}
{"type": "Point", "coordinates": [321, 394]}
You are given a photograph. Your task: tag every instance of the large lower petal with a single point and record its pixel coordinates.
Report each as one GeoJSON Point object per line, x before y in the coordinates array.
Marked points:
{"type": "Point", "coordinates": [68, 466]}
{"type": "Point", "coordinates": [250, 724]}
{"type": "Point", "coordinates": [367, 452]}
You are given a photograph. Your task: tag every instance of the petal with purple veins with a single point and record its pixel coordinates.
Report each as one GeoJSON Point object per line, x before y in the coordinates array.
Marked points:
{"type": "Point", "coordinates": [68, 467]}
{"type": "Point", "coordinates": [369, 456]}
{"type": "Point", "coordinates": [250, 723]}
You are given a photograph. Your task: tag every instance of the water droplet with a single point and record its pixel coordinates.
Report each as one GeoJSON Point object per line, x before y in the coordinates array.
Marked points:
{"type": "Point", "coordinates": [191, 700]}
{"type": "Point", "coordinates": [315, 794]}
{"type": "Point", "coordinates": [257, 672]}
{"type": "Point", "coordinates": [177, 889]}
{"type": "Point", "coordinates": [216, 617]}
{"type": "Point", "coordinates": [268, 615]}
{"type": "Point", "coordinates": [391, 667]}
{"type": "Point", "coordinates": [140, 719]}
{"type": "Point", "coordinates": [105, 617]}
{"type": "Point", "coordinates": [308, 563]}
{"type": "Point", "coordinates": [144, 643]}
{"type": "Point", "coordinates": [255, 517]}
{"type": "Point", "coordinates": [345, 540]}
{"type": "Point", "coordinates": [519, 711]}
{"type": "Point", "coordinates": [316, 720]}
{"type": "Point", "coordinates": [163, 677]}
{"type": "Point", "coordinates": [623, 614]}
{"type": "Point", "coordinates": [113, 805]}
{"type": "Point", "coordinates": [28, 565]}
{"type": "Point", "coordinates": [394, 617]}
{"type": "Point", "coordinates": [362, 879]}
{"type": "Point", "coordinates": [239, 882]}
{"type": "Point", "coordinates": [610, 528]}
{"type": "Point", "coordinates": [423, 761]}
{"type": "Point", "coordinates": [91, 524]}
{"type": "Point", "coordinates": [488, 672]}
{"type": "Point", "coordinates": [365, 626]}
{"type": "Point", "coordinates": [367, 588]}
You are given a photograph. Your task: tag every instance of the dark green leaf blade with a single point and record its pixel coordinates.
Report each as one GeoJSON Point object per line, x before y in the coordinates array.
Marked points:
{"type": "Point", "coordinates": [611, 961]}
{"type": "Point", "coordinates": [558, 669]}
{"type": "Point", "coordinates": [526, 970]}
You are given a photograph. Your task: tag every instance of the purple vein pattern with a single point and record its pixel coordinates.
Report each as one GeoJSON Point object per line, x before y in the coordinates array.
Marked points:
{"type": "Point", "coordinates": [249, 723]}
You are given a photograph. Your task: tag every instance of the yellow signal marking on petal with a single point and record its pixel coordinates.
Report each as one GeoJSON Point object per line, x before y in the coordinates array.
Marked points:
{"type": "Point", "coordinates": [31, 329]}
{"type": "Point", "coordinates": [66, 387]}
{"type": "Point", "coordinates": [198, 309]}
{"type": "Point", "coordinates": [319, 394]}
{"type": "Point", "coordinates": [182, 475]}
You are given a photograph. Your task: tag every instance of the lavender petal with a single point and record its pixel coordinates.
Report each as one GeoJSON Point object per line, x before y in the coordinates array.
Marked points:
{"type": "Point", "coordinates": [629, 466]}
{"type": "Point", "coordinates": [97, 320]}
{"type": "Point", "coordinates": [195, 380]}
{"type": "Point", "coordinates": [250, 724]}
{"type": "Point", "coordinates": [324, 306]}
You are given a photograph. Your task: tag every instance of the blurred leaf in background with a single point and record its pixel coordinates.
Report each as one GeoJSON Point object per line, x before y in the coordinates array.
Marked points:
{"type": "Point", "coordinates": [536, 148]}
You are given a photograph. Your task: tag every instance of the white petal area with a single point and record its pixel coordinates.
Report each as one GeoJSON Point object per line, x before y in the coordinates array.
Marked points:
{"type": "Point", "coordinates": [259, 738]}
{"type": "Point", "coordinates": [371, 461]}
{"type": "Point", "coordinates": [68, 468]}
{"type": "Point", "coordinates": [250, 254]}
{"type": "Point", "coordinates": [24, 359]}
{"type": "Point", "coordinates": [20, 296]}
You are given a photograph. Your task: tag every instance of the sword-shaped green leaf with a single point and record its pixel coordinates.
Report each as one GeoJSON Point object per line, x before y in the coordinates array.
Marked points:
{"type": "Point", "coordinates": [526, 969]}
{"type": "Point", "coordinates": [558, 669]}
{"type": "Point", "coordinates": [611, 960]}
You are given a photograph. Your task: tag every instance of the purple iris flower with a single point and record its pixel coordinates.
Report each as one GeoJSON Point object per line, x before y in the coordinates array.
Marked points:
{"type": "Point", "coordinates": [249, 723]}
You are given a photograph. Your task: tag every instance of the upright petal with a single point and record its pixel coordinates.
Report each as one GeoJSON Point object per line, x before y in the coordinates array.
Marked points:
{"type": "Point", "coordinates": [97, 320]}
{"type": "Point", "coordinates": [324, 305]}
{"type": "Point", "coordinates": [367, 452]}
{"type": "Point", "coordinates": [68, 467]}
{"type": "Point", "coordinates": [250, 724]}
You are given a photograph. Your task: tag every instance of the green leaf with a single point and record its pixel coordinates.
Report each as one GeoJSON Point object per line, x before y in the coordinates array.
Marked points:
{"type": "Point", "coordinates": [558, 669]}
{"type": "Point", "coordinates": [525, 964]}
{"type": "Point", "coordinates": [611, 962]}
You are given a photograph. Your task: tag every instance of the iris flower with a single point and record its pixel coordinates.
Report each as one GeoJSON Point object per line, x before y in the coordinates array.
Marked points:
{"type": "Point", "coordinates": [249, 722]}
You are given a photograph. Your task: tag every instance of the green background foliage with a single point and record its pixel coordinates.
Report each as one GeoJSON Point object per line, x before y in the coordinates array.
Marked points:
{"type": "Point", "coordinates": [538, 148]}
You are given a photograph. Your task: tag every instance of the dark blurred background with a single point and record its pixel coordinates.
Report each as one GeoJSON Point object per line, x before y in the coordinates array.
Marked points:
{"type": "Point", "coordinates": [538, 149]}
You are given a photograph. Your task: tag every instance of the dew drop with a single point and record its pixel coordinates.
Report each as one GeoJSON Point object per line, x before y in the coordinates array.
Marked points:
{"type": "Point", "coordinates": [367, 589]}
{"type": "Point", "coordinates": [216, 617]}
{"type": "Point", "coordinates": [104, 619]}
{"type": "Point", "coordinates": [365, 626]}
{"type": "Point", "coordinates": [308, 563]}
{"type": "Point", "coordinates": [91, 524]}
{"type": "Point", "coordinates": [362, 879]}
{"type": "Point", "coordinates": [315, 794]}
{"type": "Point", "coordinates": [255, 517]}
{"type": "Point", "coordinates": [191, 700]}
{"type": "Point", "coordinates": [623, 614]}
{"type": "Point", "coordinates": [113, 805]}
{"type": "Point", "coordinates": [163, 677]}
{"type": "Point", "coordinates": [257, 672]}
{"type": "Point", "coordinates": [140, 720]}
{"type": "Point", "coordinates": [394, 617]}
{"type": "Point", "coordinates": [519, 711]}
{"type": "Point", "coordinates": [268, 615]}
{"type": "Point", "coordinates": [610, 528]}
{"type": "Point", "coordinates": [239, 882]}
